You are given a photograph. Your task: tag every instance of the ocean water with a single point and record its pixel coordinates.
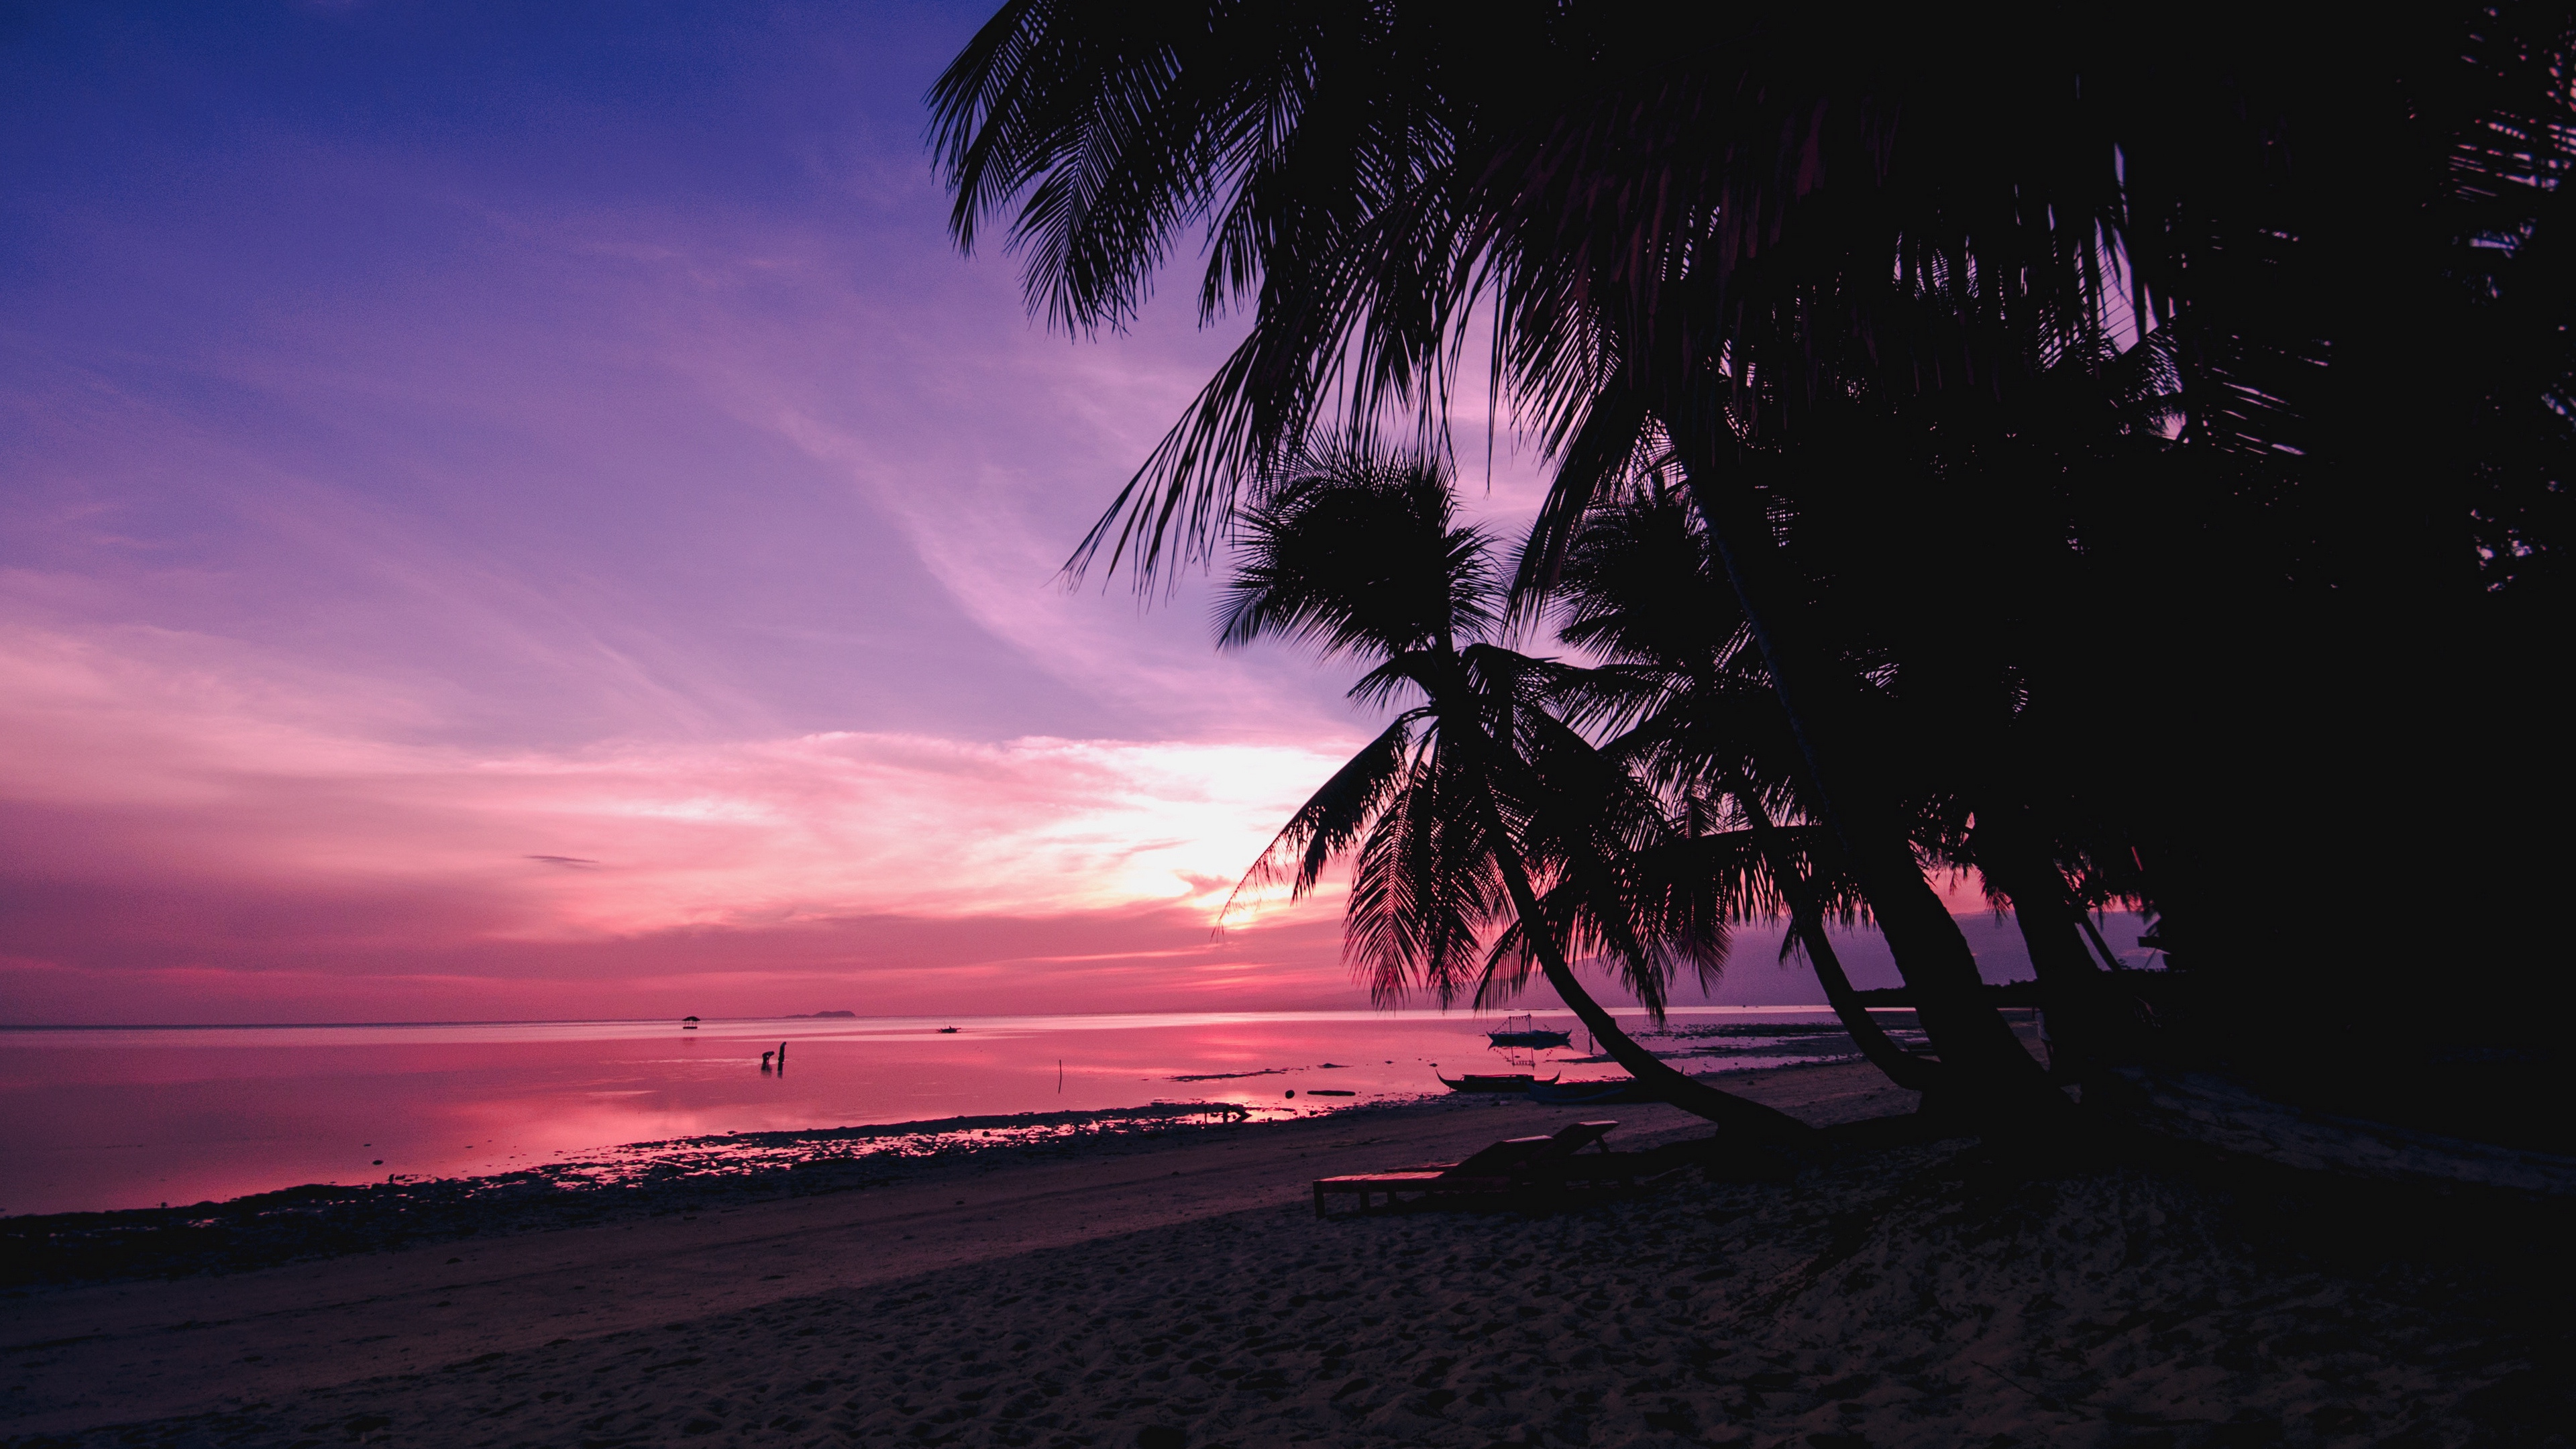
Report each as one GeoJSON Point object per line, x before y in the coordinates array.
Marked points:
{"type": "Point", "coordinates": [97, 1117]}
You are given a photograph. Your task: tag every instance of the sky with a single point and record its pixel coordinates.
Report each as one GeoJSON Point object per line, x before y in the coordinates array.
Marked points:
{"type": "Point", "coordinates": [521, 512]}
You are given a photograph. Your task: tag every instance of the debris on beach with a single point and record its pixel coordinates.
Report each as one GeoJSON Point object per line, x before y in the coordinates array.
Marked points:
{"type": "Point", "coordinates": [641, 1179]}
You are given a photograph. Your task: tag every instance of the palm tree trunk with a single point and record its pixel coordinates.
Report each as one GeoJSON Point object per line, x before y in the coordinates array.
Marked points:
{"type": "Point", "coordinates": [2110, 961]}
{"type": "Point", "coordinates": [1904, 1068]}
{"type": "Point", "coordinates": [1989, 1068]}
{"type": "Point", "coordinates": [2084, 1031]}
{"type": "Point", "coordinates": [1667, 1081]}
{"type": "Point", "coordinates": [1807, 919]}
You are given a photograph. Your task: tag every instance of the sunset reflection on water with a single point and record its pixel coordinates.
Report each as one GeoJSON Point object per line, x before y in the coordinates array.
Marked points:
{"type": "Point", "coordinates": [96, 1118]}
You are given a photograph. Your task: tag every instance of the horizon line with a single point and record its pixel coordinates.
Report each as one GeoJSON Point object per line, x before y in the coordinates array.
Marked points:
{"type": "Point", "coordinates": [811, 1016]}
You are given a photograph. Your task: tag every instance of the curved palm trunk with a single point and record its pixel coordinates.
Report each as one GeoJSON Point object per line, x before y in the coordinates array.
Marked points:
{"type": "Point", "coordinates": [1904, 1068]}
{"type": "Point", "coordinates": [1667, 1081]}
{"type": "Point", "coordinates": [1989, 1067]}
{"type": "Point", "coordinates": [2084, 1030]}
{"type": "Point", "coordinates": [1807, 918]}
{"type": "Point", "coordinates": [2012, 861]}
{"type": "Point", "coordinates": [2110, 959]}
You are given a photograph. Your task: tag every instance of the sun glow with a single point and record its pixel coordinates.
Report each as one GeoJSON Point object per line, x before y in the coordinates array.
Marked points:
{"type": "Point", "coordinates": [617, 840]}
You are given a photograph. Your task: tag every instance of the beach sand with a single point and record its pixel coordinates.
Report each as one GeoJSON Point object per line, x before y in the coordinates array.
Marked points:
{"type": "Point", "coordinates": [1893, 1291]}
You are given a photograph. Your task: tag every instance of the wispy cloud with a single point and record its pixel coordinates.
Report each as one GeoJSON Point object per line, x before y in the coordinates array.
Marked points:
{"type": "Point", "coordinates": [135, 778]}
{"type": "Point", "coordinates": [490, 531]}
{"type": "Point", "coordinates": [237, 777]}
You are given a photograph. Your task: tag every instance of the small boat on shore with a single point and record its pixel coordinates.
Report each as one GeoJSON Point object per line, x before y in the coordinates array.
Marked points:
{"type": "Point", "coordinates": [1561, 1093]}
{"type": "Point", "coordinates": [1524, 1031]}
{"type": "Point", "coordinates": [1474, 1082]}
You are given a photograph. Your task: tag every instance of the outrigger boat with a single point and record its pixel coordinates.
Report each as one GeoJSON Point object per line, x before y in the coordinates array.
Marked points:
{"type": "Point", "coordinates": [1528, 1034]}
{"type": "Point", "coordinates": [1472, 1082]}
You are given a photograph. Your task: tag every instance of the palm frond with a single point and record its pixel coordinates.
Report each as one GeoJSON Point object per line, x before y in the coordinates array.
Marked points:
{"type": "Point", "coordinates": [1353, 552]}
{"type": "Point", "coordinates": [1335, 817]}
{"type": "Point", "coordinates": [1424, 889]}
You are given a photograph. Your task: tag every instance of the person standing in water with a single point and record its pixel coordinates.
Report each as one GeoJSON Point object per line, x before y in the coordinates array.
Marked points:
{"type": "Point", "coordinates": [764, 1060]}
{"type": "Point", "coordinates": [782, 1056]}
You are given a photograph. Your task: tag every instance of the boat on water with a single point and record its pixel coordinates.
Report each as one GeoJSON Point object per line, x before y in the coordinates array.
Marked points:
{"type": "Point", "coordinates": [688, 1023]}
{"type": "Point", "coordinates": [1524, 1031]}
{"type": "Point", "coordinates": [1475, 1082]}
{"type": "Point", "coordinates": [1562, 1093]}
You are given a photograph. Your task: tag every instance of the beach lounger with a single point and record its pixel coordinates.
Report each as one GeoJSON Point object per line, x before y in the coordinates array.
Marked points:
{"type": "Point", "coordinates": [1517, 1163]}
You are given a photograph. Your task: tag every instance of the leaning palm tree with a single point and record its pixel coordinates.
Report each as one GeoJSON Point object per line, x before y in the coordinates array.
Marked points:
{"type": "Point", "coordinates": [1348, 161]}
{"type": "Point", "coordinates": [1636, 589]}
{"type": "Point", "coordinates": [1473, 810]}
{"type": "Point", "coordinates": [1796, 230]}
{"type": "Point", "coordinates": [1793, 230]}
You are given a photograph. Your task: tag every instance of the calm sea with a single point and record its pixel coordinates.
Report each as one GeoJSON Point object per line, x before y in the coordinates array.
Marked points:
{"type": "Point", "coordinates": [94, 1117]}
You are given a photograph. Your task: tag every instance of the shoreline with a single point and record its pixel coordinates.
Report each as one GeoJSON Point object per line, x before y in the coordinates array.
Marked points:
{"type": "Point", "coordinates": [1892, 1289]}
{"type": "Point", "coordinates": [86, 1353]}
{"type": "Point", "coordinates": [97, 1136]}
{"type": "Point", "coordinates": [304, 1219]}
{"type": "Point", "coordinates": [635, 1181]}
{"type": "Point", "coordinates": [321, 1220]}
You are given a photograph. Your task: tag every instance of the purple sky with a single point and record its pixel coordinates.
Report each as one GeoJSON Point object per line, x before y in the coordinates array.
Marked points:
{"type": "Point", "coordinates": [519, 511]}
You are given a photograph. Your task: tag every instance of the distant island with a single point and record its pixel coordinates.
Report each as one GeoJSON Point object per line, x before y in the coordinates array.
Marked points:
{"type": "Point", "coordinates": [810, 1015]}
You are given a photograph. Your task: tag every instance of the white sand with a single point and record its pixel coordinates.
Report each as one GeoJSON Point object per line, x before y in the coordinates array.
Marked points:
{"type": "Point", "coordinates": [1886, 1296]}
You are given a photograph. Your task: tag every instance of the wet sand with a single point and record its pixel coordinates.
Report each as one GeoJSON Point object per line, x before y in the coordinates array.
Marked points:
{"type": "Point", "coordinates": [1893, 1292]}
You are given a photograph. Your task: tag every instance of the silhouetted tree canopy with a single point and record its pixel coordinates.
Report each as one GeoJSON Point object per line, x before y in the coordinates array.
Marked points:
{"type": "Point", "coordinates": [2136, 453]}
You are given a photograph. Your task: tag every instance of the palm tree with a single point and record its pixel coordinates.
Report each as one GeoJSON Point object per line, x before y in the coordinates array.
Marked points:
{"type": "Point", "coordinates": [1348, 157]}
{"type": "Point", "coordinates": [1767, 249]}
{"type": "Point", "coordinates": [1635, 590]}
{"type": "Point", "coordinates": [1473, 805]}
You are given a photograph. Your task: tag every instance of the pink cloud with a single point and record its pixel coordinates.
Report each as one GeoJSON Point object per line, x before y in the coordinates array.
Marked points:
{"type": "Point", "coordinates": [506, 555]}
{"type": "Point", "coordinates": [203, 834]}
{"type": "Point", "coordinates": [221, 840]}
